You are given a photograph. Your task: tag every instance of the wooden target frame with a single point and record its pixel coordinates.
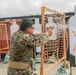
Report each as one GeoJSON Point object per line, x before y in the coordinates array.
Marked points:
{"type": "Point", "coordinates": [42, 70]}
{"type": "Point", "coordinates": [2, 50]}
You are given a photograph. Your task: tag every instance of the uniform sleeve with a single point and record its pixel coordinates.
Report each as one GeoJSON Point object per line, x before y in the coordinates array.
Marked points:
{"type": "Point", "coordinates": [35, 40]}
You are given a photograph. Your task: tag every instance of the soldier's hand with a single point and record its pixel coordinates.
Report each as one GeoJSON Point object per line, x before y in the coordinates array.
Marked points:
{"type": "Point", "coordinates": [49, 32]}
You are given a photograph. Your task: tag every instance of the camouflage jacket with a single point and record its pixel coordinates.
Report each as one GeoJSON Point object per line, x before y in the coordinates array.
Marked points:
{"type": "Point", "coordinates": [21, 45]}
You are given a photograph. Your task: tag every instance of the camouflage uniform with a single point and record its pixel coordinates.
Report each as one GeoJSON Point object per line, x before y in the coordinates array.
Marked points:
{"type": "Point", "coordinates": [21, 46]}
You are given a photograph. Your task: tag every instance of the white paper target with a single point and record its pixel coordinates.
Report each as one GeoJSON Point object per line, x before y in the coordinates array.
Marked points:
{"type": "Point", "coordinates": [13, 28]}
{"type": "Point", "coordinates": [37, 30]}
{"type": "Point", "coordinates": [72, 35]}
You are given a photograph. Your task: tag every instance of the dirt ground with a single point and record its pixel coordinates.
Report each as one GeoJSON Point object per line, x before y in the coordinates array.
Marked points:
{"type": "Point", "coordinates": [3, 69]}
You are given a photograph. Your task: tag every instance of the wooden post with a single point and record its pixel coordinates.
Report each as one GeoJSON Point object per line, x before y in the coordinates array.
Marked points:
{"type": "Point", "coordinates": [64, 40]}
{"type": "Point", "coordinates": [42, 48]}
{"type": "Point", "coordinates": [0, 56]}
{"type": "Point", "coordinates": [70, 70]}
{"type": "Point", "coordinates": [71, 65]}
{"type": "Point", "coordinates": [7, 36]}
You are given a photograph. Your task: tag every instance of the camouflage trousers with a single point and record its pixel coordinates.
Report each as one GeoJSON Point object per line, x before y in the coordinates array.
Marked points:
{"type": "Point", "coordinates": [12, 71]}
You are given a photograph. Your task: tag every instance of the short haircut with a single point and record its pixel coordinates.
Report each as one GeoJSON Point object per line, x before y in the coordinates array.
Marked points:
{"type": "Point", "coordinates": [25, 23]}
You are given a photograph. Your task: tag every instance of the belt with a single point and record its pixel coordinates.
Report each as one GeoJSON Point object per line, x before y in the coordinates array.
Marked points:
{"type": "Point", "coordinates": [19, 65]}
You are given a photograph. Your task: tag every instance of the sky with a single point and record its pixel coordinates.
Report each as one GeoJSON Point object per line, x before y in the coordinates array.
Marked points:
{"type": "Point", "coordinates": [13, 8]}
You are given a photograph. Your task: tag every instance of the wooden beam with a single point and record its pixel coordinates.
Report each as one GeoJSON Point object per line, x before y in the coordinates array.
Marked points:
{"type": "Point", "coordinates": [42, 47]}
{"type": "Point", "coordinates": [53, 65]}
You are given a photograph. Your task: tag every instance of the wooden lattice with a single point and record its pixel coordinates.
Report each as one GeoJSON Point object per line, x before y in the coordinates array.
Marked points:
{"type": "Point", "coordinates": [61, 46]}
{"type": "Point", "coordinates": [53, 45]}
{"type": "Point", "coordinates": [57, 46]}
{"type": "Point", "coordinates": [3, 38]}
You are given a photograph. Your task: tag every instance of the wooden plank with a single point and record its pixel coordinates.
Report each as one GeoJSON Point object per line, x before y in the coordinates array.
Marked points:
{"type": "Point", "coordinates": [42, 47]}
{"type": "Point", "coordinates": [53, 65]}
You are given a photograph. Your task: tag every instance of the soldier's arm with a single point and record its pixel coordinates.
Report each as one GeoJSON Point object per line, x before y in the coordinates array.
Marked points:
{"type": "Point", "coordinates": [35, 40]}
